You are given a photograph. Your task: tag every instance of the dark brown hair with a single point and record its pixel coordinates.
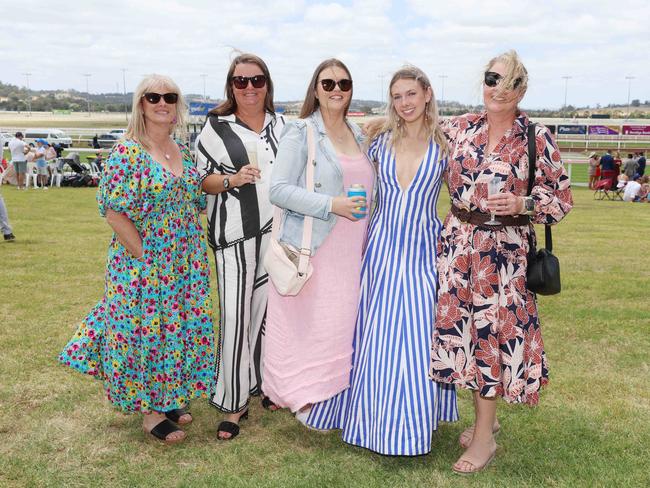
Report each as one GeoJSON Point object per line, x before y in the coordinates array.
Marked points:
{"type": "Point", "coordinates": [311, 103]}
{"type": "Point", "coordinates": [229, 107]}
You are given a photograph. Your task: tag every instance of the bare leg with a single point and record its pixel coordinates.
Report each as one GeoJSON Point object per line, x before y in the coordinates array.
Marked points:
{"type": "Point", "coordinates": [465, 438]}
{"type": "Point", "coordinates": [482, 448]}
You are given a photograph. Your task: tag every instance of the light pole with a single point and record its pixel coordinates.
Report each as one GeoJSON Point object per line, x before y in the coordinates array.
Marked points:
{"type": "Point", "coordinates": [29, 95]}
{"type": "Point", "coordinates": [566, 87]}
{"type": "Point", "coordinates": [442, 91]}
{"type": "Point", "coordinates": [126, 117]}
{"type": "Point", "coordinates": [629, 90]}
{"type": "Point", "coordinates": [204, 76]}
{"type": "Point", "coordinates": [87, 75]}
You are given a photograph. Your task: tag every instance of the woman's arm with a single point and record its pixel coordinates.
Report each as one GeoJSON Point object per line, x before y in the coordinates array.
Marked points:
{"type": "Point", "coordinates": [126, 232]}
{"type": "Point", "coordinates": [214, 183]}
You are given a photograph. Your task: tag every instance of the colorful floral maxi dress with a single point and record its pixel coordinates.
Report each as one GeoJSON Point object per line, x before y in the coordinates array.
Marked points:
{"type": "Point", "coordinates": [150, 339]}
{"type": "Point", "coordinates": [488, 335]}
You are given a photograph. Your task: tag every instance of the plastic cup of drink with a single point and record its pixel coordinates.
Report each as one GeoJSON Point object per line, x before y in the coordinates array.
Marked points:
{"type": "Point", "coordinates": [251, 152]}
{"type": "Point", "coordinates": [358, 190]}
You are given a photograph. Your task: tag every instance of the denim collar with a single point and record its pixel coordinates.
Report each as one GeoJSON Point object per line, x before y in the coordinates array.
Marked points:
{"type": "Point", "coordinates": [317, 119]}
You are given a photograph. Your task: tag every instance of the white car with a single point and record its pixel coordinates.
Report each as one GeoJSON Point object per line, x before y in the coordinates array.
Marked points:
{"type": "Point", "coordinates": [5, 137]}
{"type": "Point", "coordinates": [53, 136]}
{"type": "Point", "coordinates": [118, 132]}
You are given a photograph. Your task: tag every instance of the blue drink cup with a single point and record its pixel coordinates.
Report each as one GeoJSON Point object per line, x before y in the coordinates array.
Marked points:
{"type": "Point", "coordinates": [358, 190]}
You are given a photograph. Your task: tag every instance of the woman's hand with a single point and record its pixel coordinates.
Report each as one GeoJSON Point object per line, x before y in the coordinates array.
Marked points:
{"type": "Point", "coordinates": [247, 174]}
{"type": "Point", "coordinates": [346, 206]}
{"type": "Point", "coordinates": [505, 204]}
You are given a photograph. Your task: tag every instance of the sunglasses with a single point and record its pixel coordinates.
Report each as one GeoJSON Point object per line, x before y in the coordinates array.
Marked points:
{"type": "Point", "coordinates": [329, 84]}
{"type": "Point", "coordinates": [492, 79]}
{"type": "Point", "coordinates": [241, 82]}
{"type": "Point", "coordinates": [154, 98]}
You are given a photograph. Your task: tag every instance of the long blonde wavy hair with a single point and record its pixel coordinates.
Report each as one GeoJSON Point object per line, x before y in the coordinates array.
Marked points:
{"type": "Point", "coordinates": [394, 123]}
{"type": "Point", "coordinates": [137, 129]}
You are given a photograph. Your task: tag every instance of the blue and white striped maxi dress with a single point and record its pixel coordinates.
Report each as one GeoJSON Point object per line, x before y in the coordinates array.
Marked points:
{"type": "Point", "coordinates": [392, 407]}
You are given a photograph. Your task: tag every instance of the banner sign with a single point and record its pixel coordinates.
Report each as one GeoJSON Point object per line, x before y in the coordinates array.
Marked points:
{"type": "Point", "coordinates": [572, 129]}
{"type": "Point", "coordinates": [636, 130]}
{"type": "Point", "coordinates": [603, 130]}
{"type": "Point", "coordinates": [200, 108]}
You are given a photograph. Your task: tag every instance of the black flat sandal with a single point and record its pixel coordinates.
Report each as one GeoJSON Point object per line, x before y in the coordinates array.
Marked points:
{"type": "Point", "coordinates": [269, 405]}
{"type": "Point", "coordinates": [176, 414]}
{"type": "Point", "coordinates": [162, 430]}
{"type": "Point", "coordinates": [230, 428]}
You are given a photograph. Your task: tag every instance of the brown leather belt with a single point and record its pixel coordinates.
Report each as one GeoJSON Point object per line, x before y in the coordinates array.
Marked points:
{"type": "Point", "coordinates": [479, 218]}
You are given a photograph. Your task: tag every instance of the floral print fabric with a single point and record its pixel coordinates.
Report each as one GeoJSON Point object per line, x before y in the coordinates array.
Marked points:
{"type": "Point", "coordinates": [150, 338]}
{"type": "Point", "coordinates": [488, 335]}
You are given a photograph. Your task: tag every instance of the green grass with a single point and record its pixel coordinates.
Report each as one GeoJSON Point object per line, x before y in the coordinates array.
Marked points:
{"type": "Point", "coordinates": [57, 429]}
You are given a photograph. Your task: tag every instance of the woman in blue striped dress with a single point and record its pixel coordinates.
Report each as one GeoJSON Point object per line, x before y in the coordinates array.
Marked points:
{"type": "Point", "coordinates": [392, 407]}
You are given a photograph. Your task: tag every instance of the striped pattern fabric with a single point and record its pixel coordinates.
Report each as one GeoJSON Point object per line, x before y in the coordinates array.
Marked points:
{"type": "Point", "coordinates": [392, 407]}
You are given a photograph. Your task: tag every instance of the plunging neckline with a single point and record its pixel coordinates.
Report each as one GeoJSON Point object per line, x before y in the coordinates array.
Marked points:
{"type": "Point", "coordinates": [169, 170]}
{"type": "Point", "coordinates": [417, 172]}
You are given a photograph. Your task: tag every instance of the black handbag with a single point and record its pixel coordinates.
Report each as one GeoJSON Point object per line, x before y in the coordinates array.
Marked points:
{"type": "Point", "coordinates": [543, 271]}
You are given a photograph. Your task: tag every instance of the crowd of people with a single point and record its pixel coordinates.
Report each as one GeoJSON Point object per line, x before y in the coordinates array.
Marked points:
{"type": "Point", "coordinates": [625, 176]}
{"type": "Point", "coordinates": [400, 308]}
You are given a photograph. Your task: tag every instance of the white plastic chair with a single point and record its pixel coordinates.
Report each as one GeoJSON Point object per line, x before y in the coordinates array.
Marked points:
{"type": "Point", "coordinates": [55, 175]}
{"type": "Point", "coordinates": [32, 173]}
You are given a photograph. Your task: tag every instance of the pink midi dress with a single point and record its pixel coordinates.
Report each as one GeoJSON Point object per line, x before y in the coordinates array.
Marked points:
{"type": "Point", "coordinates": [308, 341]}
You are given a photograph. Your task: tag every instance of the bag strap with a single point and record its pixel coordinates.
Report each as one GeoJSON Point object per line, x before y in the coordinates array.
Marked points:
{"type": "Point", "coordinates": [532, 166]}
{"type": "Point", "coordinates": [305, 246]}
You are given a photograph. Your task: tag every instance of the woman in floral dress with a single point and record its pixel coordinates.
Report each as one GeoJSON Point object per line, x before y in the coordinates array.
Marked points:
{"type": "Point", "coordinates": [150, 338]}
{"type": "Point", "coordinates": [487, 335]}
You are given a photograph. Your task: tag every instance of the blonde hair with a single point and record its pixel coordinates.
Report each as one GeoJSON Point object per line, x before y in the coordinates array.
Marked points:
{"type": "Point", "coordinates": [137, 129]}
{"type": "Point", "coordinates": [393, 122]}
{"type": "Point", "coordinates": [516, 72]}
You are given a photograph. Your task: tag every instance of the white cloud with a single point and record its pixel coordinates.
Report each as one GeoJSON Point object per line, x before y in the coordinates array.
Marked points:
{"type": "Point", "coordinates": [596, 42]}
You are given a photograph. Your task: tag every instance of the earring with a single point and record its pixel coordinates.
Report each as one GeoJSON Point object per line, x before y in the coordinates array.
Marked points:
{"type": "Point", "coordinates": [174, 120]}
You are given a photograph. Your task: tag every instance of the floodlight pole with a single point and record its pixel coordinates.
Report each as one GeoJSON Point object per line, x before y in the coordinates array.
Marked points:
{"type": "Point", "coordinates": [629, 90]}
{"type": "Point", "coordinates": [29, 95]}
{"type": "Point", "coordinates": [126, 116]}
{"type": "Point", "coordinates": [566, 88]}
{"type": "Point", "coordinates": [442, 92]}
{"type": "Point", "coordinates": [204, 76]}
{"type": "Point", "coordinates": [87, 75]}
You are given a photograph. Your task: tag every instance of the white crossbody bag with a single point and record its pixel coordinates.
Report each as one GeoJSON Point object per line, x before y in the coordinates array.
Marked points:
{"type": "Point", "coordinates": [289, 268]}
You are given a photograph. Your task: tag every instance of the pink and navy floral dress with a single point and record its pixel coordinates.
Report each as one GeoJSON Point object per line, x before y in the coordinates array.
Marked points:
{"type": "Point", "coordinates": [487, 335]}
{"type": "Point", "coordinates": [150, 339]}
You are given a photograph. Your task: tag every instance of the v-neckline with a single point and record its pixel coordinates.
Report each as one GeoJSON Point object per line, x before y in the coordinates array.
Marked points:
{"type": "Point", "coordinates": [417, 172]}
{"type": "Point", "coordinates": [169, 170]}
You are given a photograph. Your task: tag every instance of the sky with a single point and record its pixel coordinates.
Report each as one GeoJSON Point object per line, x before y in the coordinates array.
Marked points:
{"type": "Point", "coordinates": [596, 43]}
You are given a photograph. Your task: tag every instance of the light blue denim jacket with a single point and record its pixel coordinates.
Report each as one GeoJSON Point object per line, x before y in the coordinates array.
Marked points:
{"type": "Point", "coordinates": [288, 180]}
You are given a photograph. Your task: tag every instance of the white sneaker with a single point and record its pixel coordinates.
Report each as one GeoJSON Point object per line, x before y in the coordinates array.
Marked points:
{"type": "Point", "coordinates": [45, 188]}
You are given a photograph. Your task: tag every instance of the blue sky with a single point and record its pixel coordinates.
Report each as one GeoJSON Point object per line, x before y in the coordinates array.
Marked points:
{"type": "Point", "coordinates": [597, 43]}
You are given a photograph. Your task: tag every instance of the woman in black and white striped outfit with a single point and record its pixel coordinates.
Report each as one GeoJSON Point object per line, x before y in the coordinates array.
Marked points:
{"type": "Point", "coordinates": [235, 154]}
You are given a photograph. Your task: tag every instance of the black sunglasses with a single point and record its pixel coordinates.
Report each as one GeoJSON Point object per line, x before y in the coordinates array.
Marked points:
{"type": "Point", "coordinates": [329, 84]}
{"type": "Point", "coordinates": [154, 98]}
{"type": "Point", "coordinates": [241, 82]}
{"type": "Point", "coordinates": [492, 79]}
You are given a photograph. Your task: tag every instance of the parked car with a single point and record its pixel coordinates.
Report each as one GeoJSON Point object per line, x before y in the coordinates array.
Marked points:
{"type": "Point", "coordinates": [5, 137]}
{"type": "Point", "coordinates": [117, 132]}
{"type": "Point", "coordinates": [53, 136]}
{"type": "Point", "coordinates": [108, 140]}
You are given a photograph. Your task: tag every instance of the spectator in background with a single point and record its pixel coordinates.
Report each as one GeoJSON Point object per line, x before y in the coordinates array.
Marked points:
{"type": "Point", "coordinates": [4, 222]}
{"type": "Point", "coordinates": [41, 164]}
{"type": "Point", "coordinates": [96, 142]}
{"type": "Point", "coordinates": [641, 162]}
{"type": "Point", "coordinates": [99, 160]}
{"type": "Point", "coordinates": [607, 161]}
{"type": "Point", "coordinates": [630, 166]}
{"type": "Point", "coordinates": [594, 160]}
{"type": "Point", "coordinates": [17, 150]}
{"type": "Point", "coordinates": [636, 190]}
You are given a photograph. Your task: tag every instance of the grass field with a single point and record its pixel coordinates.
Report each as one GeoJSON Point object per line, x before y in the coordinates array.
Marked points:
{"type": "Point", "coordinates": [57, 429]}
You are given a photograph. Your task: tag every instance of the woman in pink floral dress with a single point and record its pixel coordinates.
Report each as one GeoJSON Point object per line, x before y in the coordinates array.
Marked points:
{"type": "Point", "coordinates": [487, 335]}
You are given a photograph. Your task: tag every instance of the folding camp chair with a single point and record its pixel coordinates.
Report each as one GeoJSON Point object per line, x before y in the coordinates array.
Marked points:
{"type": "Point", "coordinates": [605, 187]}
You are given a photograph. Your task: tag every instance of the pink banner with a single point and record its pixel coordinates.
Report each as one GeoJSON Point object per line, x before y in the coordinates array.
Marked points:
{"type": "Point", "coordinates": [636, 130]}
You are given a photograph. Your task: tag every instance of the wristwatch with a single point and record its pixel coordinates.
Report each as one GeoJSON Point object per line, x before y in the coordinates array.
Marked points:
{"type": "Point", "coordinates": [529, 206]}
{"type": "Point", "coordinates": [226, 183]}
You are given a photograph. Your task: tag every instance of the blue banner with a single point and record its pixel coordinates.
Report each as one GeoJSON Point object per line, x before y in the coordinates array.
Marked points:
{"type": "Point", "coordinates": [572, 129]}
{"type": "Point", "coordinates": [200, 108]}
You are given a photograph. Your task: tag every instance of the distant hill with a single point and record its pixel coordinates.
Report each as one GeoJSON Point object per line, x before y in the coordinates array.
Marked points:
{"type": "Point", "coordinates": [15, 98]}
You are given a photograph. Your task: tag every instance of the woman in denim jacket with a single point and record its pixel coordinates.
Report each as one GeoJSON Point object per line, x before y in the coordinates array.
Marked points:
{"type": "Point", "coordinates": [308, 353]}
